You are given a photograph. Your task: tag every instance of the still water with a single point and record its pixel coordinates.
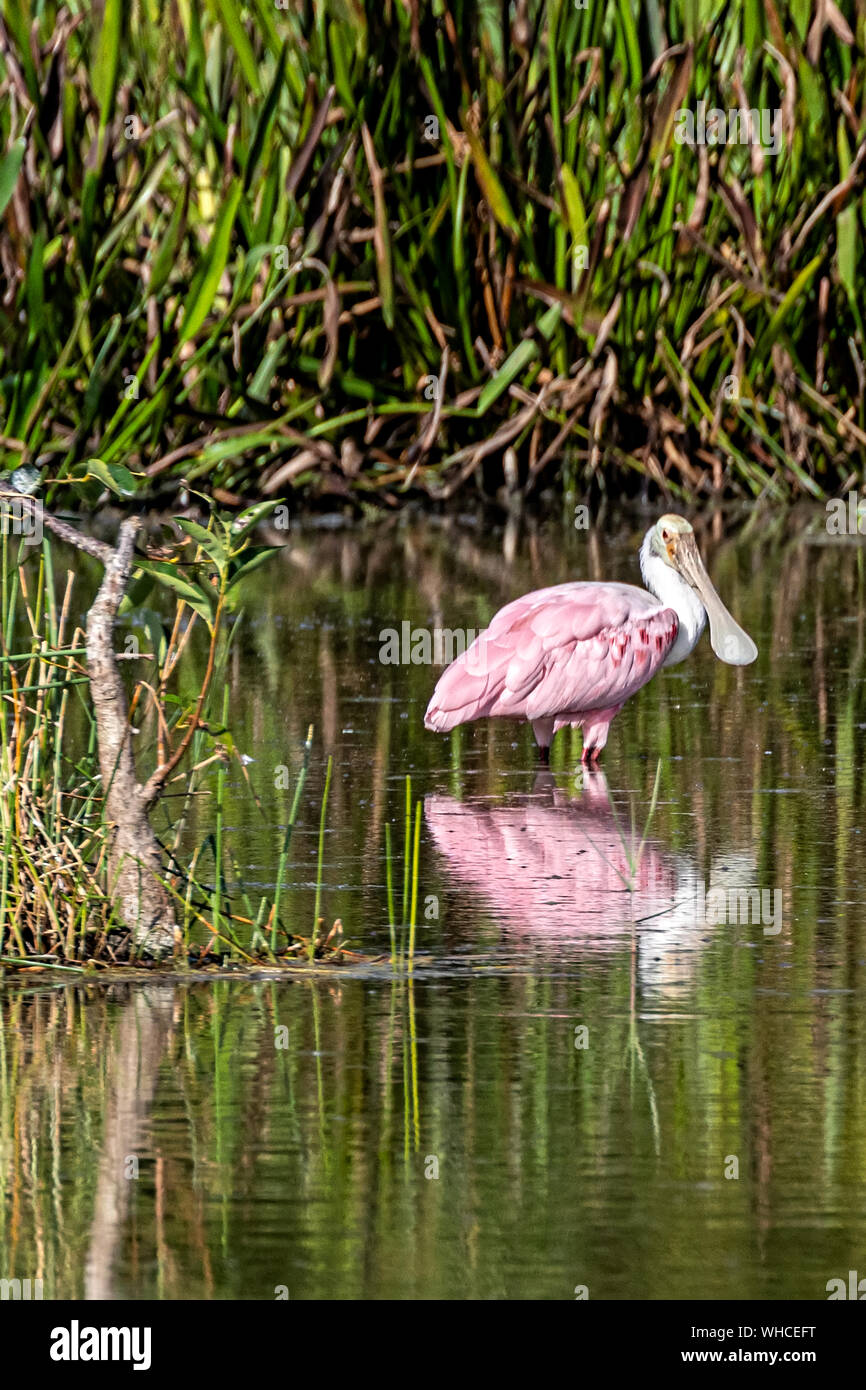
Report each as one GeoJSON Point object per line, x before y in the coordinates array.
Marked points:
{"type": "Point", "coordinates": [589, 1081]}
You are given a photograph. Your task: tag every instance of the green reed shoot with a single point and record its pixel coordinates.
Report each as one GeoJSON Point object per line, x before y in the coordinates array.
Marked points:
{"type": "Point", "coordinates": [411, 858]}
{"type": "Point", "coordinates": [322, 820]}
{"type": "Point", "coordinates": [287, 838]}
{"type": "Point", "coordinates": [216, 896]}
{"type": "Point", "coordinates": [389, 876]}
{"type": "Point", "coordinates": [406, 831]}
{"type": "Point", "coordinates": [414, 908]}
{"type": "Point", "coordinates": [633, 858]}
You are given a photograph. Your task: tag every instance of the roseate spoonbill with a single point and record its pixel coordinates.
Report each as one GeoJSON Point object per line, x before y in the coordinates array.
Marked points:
{"type": "Point", "coordinates": [574, 653]}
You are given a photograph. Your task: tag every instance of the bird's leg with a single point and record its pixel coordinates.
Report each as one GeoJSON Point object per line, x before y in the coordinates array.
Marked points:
{"type": "Point", "coordinates": [595, 730]}
{"type": "Point", "coordinates": [543, 731]}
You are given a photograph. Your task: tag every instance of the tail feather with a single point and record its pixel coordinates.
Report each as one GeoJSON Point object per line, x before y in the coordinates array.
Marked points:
{"type": "Point", "coordinates": [440, 721]}
{"type": "Point", "coordinates": [459, 697]}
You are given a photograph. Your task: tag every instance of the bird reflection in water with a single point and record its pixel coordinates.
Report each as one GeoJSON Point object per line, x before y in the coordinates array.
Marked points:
{"type": "Point", "coordinates": [552, 867]}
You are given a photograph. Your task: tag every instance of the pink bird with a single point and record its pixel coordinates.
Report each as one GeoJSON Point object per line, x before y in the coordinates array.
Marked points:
{"type": "Point", "coordinates": [574, 653]}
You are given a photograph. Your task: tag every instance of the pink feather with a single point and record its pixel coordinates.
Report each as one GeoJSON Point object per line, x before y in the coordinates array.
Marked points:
{"type": "Point", "coordinates": [570, 654]}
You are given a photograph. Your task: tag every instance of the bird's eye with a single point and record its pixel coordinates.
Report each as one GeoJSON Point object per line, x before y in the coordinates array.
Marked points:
{"type": "Point", "coordinates": [666, 535]}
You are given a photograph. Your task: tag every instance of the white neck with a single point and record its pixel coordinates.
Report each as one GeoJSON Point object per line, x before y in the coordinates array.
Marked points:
{"type": "Point", "coordinates": [673, 591]}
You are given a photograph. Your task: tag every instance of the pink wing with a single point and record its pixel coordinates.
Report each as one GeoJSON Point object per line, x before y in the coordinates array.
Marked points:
{"type": "Point", "coordinates": [574, 647]}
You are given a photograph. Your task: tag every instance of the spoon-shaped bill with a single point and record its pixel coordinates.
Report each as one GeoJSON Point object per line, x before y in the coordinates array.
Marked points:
{"type": "Point", "coordinates": [728, 640]}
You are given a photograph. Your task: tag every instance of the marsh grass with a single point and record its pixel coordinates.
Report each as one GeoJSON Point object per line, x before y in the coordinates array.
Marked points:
{"type": "Point", "coordinates": [403, 951]}
{"type": "Point", "coordinates": [56, 901]}
{"type": "Point", "coordinates": [317, 923]}
{"type": "Point", "coordinates": [241, 242]}
{"type": "Point", "coordinates": [632, 848]}
{"type": "Point", "coordinates": [287, 839]}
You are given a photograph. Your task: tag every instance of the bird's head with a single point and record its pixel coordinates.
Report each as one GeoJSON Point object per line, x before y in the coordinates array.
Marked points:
{"type": "Point", "coordinates": [672, 542]}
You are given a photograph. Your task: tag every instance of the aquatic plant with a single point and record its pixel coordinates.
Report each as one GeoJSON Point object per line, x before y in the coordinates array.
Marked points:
{"type": "Point", "coordinates": [85, 876]}
{"type": "Point", "coordinates": [355, 252]}
{"type": "Point", "coordinates": [403, 955]}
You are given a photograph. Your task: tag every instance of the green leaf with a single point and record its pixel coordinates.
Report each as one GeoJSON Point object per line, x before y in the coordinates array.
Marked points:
{"type": "Point", "coordinates": [263, 380]}
{"type": "Point", "coordinates": [520, 358]}
{"type": "Point", "coordinates": [342, 53]}
{"type": "Point", "coordinates": [35, 278]}
{"type": "Point", "coordinates": [492, 189]}
{"type": "Point", "coordinates": [199, 599]}
{"type": "Point", "coordinates": [257, 557]}
{"type": "Point", "coordinates": [846, 224]}
{"type": "Point", "coordinates": [210, 543]}
{"type": "Point", "coordinates": [575, 215]}
{"type": "Point", "coordinates": [142, 199]}
{"type": "Point", "coordinates": [240, 43]}
{"type": "Point", "coordinates": [114, 476]}
{"type": "Point", "coordinates": [266, 117]}
{"type": "Point", "coordinates": [513, 365]}
{"type": "Point", "coordinates": [107, 61]}
{"type": "Point", "coordinates": [10, 164]}
{"type": "Point", "coordinates": [772, 331]}
{"type": "Point", "coordinates": [156, 632]}
{"type": "Point", "coordinates": [138, 590]}
{"type": "Point", "coordinates": [206, 283]}
{"type": "Point", "coordinates": [245, 521]}
{"type": "Point", "coordinates": [164, 259]}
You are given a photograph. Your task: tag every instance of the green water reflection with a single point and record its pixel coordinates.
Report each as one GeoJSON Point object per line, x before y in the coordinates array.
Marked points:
{"type": "Point", "coordinates": [456, 1134]}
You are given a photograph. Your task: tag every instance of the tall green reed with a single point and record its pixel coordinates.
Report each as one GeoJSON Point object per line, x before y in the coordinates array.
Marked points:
{"type": "Point", "coordinates": [512, 211]}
